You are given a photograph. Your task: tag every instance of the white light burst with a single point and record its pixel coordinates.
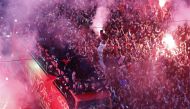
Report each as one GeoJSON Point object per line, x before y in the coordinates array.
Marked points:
{"type": "Point", "coordinates": [169, 42]}
{"type": "Point", "coordinates": [162, 3]}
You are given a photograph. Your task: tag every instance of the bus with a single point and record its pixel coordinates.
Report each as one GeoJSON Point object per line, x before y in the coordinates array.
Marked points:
{"type": "Point", "coordinates": [53, 95]}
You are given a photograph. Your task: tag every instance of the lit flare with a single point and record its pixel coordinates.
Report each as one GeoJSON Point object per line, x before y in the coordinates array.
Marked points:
{"type": "Point", "coordinates": [169, 42]}
{"type": "Point", "coordinates": [162, 3]}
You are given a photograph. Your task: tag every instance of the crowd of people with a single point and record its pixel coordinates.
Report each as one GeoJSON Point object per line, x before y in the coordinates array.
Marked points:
{"type": "Point", "coordinates": [72, 71]}
{"type": "Point", "coordinates": [134, 66]}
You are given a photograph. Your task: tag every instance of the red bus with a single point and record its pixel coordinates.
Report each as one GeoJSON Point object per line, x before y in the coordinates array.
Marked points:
{"type": "Point", "coordinates": [53, 95]}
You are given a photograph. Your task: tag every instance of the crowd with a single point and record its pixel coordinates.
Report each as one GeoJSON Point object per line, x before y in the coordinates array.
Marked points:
{"type": "Point", "coordinates": [72, 71]}
{"type": "Point", "coordinates": [137, 74]}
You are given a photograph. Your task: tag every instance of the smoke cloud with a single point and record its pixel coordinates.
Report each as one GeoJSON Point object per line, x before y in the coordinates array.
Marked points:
{"type": "Point", "coordinates": [100, 19]}
{"type": "Point", "coordinates": [102, 15]}
{"type": "Point", "coordinates": [17, 39]}
{"type": "Point", "coordinates": [180, 14]}
{"type": "Point", "coordinates": [14, 92]}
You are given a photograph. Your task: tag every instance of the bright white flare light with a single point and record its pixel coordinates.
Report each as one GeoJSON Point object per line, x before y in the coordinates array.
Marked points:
{"type": "Point", "coordinates": [169, 42]}
{"type": "Point", "coordinates": [6, 78]}
{"type": "Point", "coordinates": [100, 19]}
{"type": "Point", "coordinates": [162, 3]}
{"type": "Point", "coordinates": [15, 20]}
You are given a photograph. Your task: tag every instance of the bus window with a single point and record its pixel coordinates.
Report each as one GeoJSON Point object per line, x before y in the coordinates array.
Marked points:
{"type": "Point", "coordinates": [95, 104]}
